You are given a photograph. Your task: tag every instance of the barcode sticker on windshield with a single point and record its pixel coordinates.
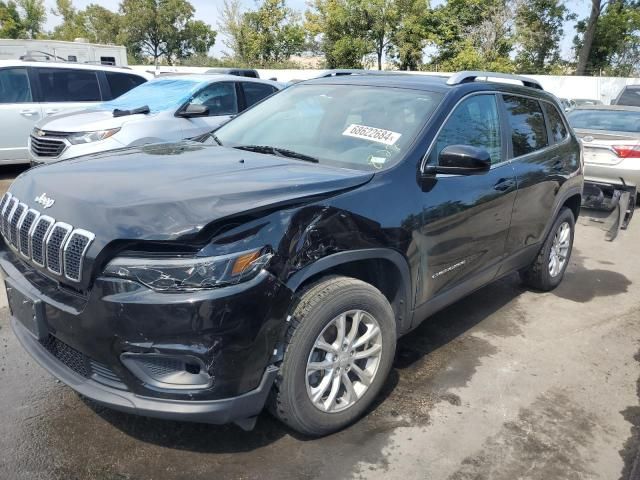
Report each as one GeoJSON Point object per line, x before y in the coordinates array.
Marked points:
{"type": "Point", "coordinates": [371, 133]}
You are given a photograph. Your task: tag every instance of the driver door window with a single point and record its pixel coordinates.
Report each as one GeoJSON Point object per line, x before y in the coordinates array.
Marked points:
{"type": "Point", "coordinates": [221, 99]}
{"type": "Point", "coordinates": [474, 122]}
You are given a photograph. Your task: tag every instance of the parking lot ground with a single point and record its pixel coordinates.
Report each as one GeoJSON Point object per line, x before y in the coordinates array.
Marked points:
{"type": "Point", "coordinates": [505, 384]}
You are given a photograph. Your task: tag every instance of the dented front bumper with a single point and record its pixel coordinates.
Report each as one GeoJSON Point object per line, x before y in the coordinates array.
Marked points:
{"type": "Point", "coordinates": [227, 338]}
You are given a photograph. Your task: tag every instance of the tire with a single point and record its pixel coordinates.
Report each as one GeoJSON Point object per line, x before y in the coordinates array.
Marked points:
{"type": "Point", "coordinates": [316, 313]}
{"type": "Point", "coordinates": [540, 275]}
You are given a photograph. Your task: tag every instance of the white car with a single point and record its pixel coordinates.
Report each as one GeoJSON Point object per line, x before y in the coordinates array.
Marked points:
{"type": "Point", "coordinates": [166, 109]}
{"type": "Point", "coordinates": [31, 91]}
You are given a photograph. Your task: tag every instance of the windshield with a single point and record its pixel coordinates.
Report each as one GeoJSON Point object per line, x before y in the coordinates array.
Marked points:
{"type": "Point", "coordinates": [611, 120]}
{"type": "Point", "coordinates": [159, 95]}
{"type": "Point", "coordinates": [359, 127]}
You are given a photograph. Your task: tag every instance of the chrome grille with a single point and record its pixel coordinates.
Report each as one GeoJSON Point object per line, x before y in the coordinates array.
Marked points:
{"type": "Point", "coordinates": [25, 231]}
{"type": "Point", "coordinates": [13, 226]}
{"type": "Point", "coordinates": [6, 215]}
{"type": "Point", "coordinates": [58, 246]}
{"type": "Point", "coordinates": [38, 237]}
{"type": "Point", "coordinates": [47, 147]}
{"type": "Point", "coordinates": [55, 243]}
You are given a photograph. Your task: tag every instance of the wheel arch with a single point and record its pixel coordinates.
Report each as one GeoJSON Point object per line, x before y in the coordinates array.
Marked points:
{"type": "Point", "coordinates": [385, 269]}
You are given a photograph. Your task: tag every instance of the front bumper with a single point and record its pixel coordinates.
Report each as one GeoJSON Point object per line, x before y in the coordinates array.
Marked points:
{"type": "Point", "coordinates": [220, 411]}
{"type": "Point", "coordinates": [90, 336]}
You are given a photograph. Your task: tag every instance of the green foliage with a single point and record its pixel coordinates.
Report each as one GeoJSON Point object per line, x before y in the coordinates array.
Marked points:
{"type": "Point", "coordinates": [616, 45]}
{"type": "Point", "coordinates": [347, 31]}
{"type": "Point", "coordinates": [21, 19]}
{"type": "Point", "coordinates": [474, 34]}
{"type": "Point", "coordinates": [95, 23]}
{"type": "Point", "coordinates": [539, 31]}
{"type": "Point", "coordinates": [163, 29]}
{"type": "Point", "coordinates": [10, 22]}
{"type": "Point", "coordinates": [270, 34]}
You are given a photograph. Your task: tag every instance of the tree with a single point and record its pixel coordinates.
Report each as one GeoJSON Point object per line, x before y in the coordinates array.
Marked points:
{"type": "Point", "coordinates": [589, 31]}
{"type": "Point", "coordinates": [271, 33]}
{"type": "Point", "coordinates": [538, 33]}
{"type": "Point", "coordinates": [11, 25]}
{"type": "Point", "coordinates": [164, 29]}
{"type": "Point", "coordinates": [95, 23]}
{"type": "Point", "coordinates": [615, 43]}
{"type": "Point", "coordinates": [475, 33]}
{"type": "Point", "coordinates": [34, 16]}
{"type": "Point", "coordinates": [21, 19]}
{"type": "Point", "coordinates": [338, 29]}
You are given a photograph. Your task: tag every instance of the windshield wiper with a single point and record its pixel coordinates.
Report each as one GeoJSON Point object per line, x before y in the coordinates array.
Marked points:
{"type": "Point", "coordinates": [134, 111]}
{"type": "Point", "coordinates": [282, 152]}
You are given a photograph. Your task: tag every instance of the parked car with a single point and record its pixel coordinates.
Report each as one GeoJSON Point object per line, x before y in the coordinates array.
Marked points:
{"type": "Point", "coordinates": [585, 101]}
{"type": "Point", "coordinates": [567, 104]}
{"type": "Point", "coordinates": [281, 264]}
{"type": "Point", "coordinates": [629, 95]}
{"type": "Point", "coordinates": [31, 91]}
{"type": "Point", "coordinates": [240, 72]}
{"type": "Point", "coordinates": [162, 110]}
{"type": "Point", "coordinates": [611, 141]}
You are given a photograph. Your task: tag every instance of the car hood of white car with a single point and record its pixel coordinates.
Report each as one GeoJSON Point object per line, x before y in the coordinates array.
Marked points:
{"type": "Point", "coordinates": [89, 120]}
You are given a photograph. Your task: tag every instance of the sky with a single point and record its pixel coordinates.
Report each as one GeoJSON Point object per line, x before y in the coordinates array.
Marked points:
{"type": "Point", "coordinates": [207, 10]}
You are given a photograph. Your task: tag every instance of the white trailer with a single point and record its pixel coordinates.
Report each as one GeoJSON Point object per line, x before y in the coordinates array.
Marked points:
{"type": "Point", "coordinates": [54, 50]}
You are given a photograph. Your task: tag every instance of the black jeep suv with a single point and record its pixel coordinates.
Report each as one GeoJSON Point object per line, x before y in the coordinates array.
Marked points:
{"type": "Point", "coordinates": [277, 262]}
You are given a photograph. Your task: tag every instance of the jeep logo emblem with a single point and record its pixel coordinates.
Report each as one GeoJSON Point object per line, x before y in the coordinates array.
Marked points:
{"type": "Point", "coordinates": [45, 201]}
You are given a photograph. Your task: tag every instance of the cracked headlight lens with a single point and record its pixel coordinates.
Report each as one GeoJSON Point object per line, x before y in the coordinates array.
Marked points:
{"type": "Point", "coordinates": [88, 137]}
{"type": "Point", "coordinates": [194, 273]}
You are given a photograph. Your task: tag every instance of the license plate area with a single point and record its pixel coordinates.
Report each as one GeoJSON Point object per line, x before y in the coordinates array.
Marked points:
{"type": "Point", "coordinates": [27, 310]}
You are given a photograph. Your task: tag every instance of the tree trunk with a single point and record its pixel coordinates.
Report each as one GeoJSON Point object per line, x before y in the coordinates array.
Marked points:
{"type": "Point", "coordinates": [589, 34]}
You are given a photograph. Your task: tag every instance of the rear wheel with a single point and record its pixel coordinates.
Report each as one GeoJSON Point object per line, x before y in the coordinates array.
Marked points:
{"type": "Point", "coordinates": [547, 270]}
{"type": "Point", "coordinates": [340, 348]}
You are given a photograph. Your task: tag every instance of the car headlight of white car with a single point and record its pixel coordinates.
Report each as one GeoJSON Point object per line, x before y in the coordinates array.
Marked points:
{"type": "Point", "coordinates": [88, 137]}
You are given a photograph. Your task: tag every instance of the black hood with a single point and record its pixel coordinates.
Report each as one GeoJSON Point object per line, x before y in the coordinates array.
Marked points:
{"type": "Point", "coordinates": [172, 191]}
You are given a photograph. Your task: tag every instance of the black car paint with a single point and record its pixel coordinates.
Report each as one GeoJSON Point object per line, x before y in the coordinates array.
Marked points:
{"type": "Point", "coordinates": [398, 228]}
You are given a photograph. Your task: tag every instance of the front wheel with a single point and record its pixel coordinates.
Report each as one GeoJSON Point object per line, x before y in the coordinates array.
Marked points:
{"type": "Point", "coordinates": [547, 270]}
{"type": "Point", "coordinates": [339, 351]}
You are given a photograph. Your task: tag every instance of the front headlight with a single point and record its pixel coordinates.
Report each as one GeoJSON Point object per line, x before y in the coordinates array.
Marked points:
{"type": "Point", "coordinates": [88, 137]}
{"type": "Point", "coordinates": [180, 274]}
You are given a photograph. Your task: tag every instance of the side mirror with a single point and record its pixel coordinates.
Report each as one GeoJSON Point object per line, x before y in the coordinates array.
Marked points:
{"type": "Point", "coordinates": [193, 110]}
{"type": "Point", "coordinates": [461, 160]}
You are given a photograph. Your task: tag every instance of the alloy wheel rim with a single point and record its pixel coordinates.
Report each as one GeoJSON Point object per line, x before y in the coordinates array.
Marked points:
{"type": "Point", "coordinates": [560, 249]}
{"type": "Point", "coordinates": [344, 361]}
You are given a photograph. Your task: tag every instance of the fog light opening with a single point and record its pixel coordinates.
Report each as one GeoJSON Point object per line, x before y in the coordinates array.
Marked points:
{"type": "Point", "coordinates": [168, 372]}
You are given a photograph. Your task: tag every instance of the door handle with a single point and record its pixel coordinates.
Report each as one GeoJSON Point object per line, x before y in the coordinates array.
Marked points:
{"type": "Point", "coordinates": [504, 184]}
{"type": "Point", "coordinates": [51, 111]}
{"type": "Point", "coordinates": [28, 112]}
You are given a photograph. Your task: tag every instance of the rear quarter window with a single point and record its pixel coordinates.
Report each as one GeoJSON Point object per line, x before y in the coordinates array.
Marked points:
{"type": "Point", "coordinates": [556, 124]}
{"type": "Point", "coordinates": [122, 82]}
{"type": "Point", "coordinates": [528, 128]}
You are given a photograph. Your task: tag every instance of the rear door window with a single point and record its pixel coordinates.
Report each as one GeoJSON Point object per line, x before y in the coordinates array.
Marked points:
{"type": "Point", "coordinates": [254, 92]}
{"type": "Point", "coordinates": [62, 85]}
{"type": "Point", "coordinates": [474, 122]}
{"type": "Point", "coordinates": [528, 129]}
{"type": "Point", "coordinates": [220, 97]}
{"type": "Point", "coordinates": [556, 125]}
{"type": "Point", "coordinates": [122, 82]}
{"type": "Point", "coordinates": [14, 86]}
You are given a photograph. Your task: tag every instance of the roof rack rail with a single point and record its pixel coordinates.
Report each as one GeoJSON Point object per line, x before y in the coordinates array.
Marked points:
{"type": "Point", "coordinates": [347, 71]}
{"type": "Point", "coordinates": [472, 76]}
